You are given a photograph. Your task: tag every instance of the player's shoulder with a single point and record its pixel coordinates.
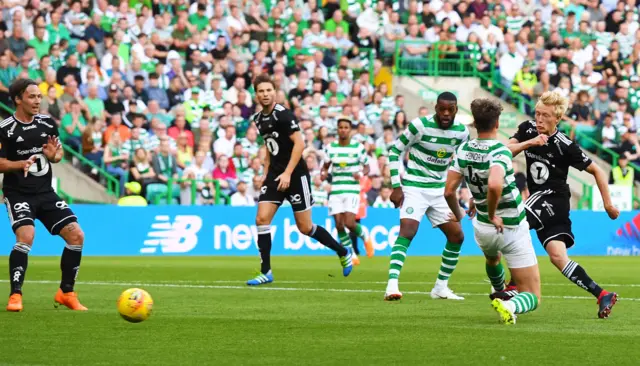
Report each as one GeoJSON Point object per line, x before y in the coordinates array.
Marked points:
{"type": "Point", "coordinates": [280, 111]}
{"type": "Point", "coordinates": [563, 139]}
{"type": "Point", "coordinates": [528, 125]}
{"type": "Point", "coordinates": [7, 122]}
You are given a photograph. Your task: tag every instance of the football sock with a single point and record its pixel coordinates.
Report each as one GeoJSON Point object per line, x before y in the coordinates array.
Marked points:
{"type": "Point", "coordinates": [576, 274]}
{"type": "Point", "coordinates": [359, 232]}
{"type": "Point", "coordinates": [345, 240]}
{"type": "Point", "coordinates": [354, 242]}
{"type": "Point", "coordinates": [70, 265]}
{"type": "Point", "coordinates": [523, 302]}
{"type": "Point", "coordinates": [450, 256]}
{"type": "Point", "coordinates": [18, 260]}
{"type": "Point", "coordinates": [398, 256]}
{"type": "Point", "coordinates": [323, 237]}
{"type": "Point", "coordinates": [496, 276]}
{"type": "Point", "coordinates": [264, 246]}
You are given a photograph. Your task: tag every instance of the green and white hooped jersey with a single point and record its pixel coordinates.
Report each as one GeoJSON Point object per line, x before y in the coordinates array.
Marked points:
{"type": "Point", "coordinates": [474, 160]}
{"type": "Point", "coordinates": [430, 152]}
{"type": "Point", "coordinates": [346, 160]}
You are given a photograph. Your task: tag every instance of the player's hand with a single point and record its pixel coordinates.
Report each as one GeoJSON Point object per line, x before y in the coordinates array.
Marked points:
{"type": "Point", "coordinates": [285, 180]}
{"type": "Point", "coordinates": [357, 176]}
{"type": "Point", "coordinates": [539, 140]}
{"type": "Point", "coordinates": [472, 209]}
{"type": "Point", "coordinates": [51, 147]}
{"type": "Point", "coordinates": [497, 222]}
{"type": "Point", "coordinates": [397, 197]}
{"type": "Point", "coordinates": [26, 164]}
{"type": "Point", "coordinates": [612, 211]}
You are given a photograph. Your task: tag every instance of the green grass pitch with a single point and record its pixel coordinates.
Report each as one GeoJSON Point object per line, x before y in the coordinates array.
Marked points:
{"type": "Point", "coordinates": [205, 315]}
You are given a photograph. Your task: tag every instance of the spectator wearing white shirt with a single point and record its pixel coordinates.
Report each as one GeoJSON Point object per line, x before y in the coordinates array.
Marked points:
{"type": "Point", "coordinates": [510, 63]}
{"type": "Point", "coordinates": [486, 28]}
{"type": "Point", "coordinates": [383, 200]}
{"type": "Point", "coordinates": [224, 145]}
{"type": "Point", "coordinates": [311, 66]}
{"type": "Point", "coordinates": [448, 12]}
{"type": "Point", "coordinates": [242, 197]}
{"type": "Point", "coordinates": [609, 132]}
{"type": "Point", "coordinates": [235, 22]}
{"type": "Point", "coordinates": [315, 38]}
{"type": "Point", "coordinates": [466, 28]}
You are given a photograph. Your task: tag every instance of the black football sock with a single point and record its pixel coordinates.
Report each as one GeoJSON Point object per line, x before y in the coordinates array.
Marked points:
{"type": "Point", "coordinates": [18, 261]}
{"type": "Point", "coordinates": [264, 245]}
{"type": "Point", "coordinates": [70, 265]}
{"type": "Point", "coordinates": [576, 274]}
{"type": "Point", "coordinates": [321, 235]}
{"type": "Point", "coordinates": [354, 240]}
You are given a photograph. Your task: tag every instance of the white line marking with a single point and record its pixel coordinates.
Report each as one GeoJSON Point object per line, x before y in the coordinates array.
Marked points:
{"type": "Point", "coordinates": [270, 288]}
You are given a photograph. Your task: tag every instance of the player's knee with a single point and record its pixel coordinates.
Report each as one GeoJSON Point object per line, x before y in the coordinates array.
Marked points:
{"type": "Point", "coordinates": [339, 225]}
{"type": "Point", "coordinates": [305, 227]}
{"type": "Point", "coordinates": [73, 234]}
{"type": "Point", "coordinates": [456, 237]}
{"type": "Point", "coordinates": [262, 220]}
{"type": "Point", "coordinates": [25, 234]}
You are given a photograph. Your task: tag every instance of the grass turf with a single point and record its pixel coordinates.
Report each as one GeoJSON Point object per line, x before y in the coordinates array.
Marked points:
{"type": "Point", "coordinates": [204, 314]}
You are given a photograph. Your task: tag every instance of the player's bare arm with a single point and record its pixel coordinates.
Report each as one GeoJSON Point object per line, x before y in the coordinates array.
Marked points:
{"type": "Point", "coordinates": [324, 172]}
{"type": "Point", "coordinates": [603, 185]}
{"type": "Point", "coordinates": [517, 147]}
{"type": "Point", "coordinates": [365, 172]}
{"type": "Point", "coordinates": [296, 154]}
{"type": "Point", "coordinates": [450, 194]}
{"type": "Point", "coordinates": [495, 184]}
{"type": "Point", "coordinates": [7, 166]}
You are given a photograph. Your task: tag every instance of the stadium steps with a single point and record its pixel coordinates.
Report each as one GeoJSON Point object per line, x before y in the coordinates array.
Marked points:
{"type": "Point", "coordinates": [81, 186]}
{"type": "Point", "coordinates": [423, 90]}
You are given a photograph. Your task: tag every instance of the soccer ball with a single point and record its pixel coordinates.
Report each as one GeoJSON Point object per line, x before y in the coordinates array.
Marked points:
{"type": "Point", "coordinates": [135, 305]}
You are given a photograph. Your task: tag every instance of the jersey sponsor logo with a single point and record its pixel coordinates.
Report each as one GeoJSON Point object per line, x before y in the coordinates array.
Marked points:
{"type": "Point", "coordinates": [33, 150]}
{"type": "Point", "coordinates": [19, 139]}
{"type": "Point", "coordinates": [31, 126]}
{"type": "Point", "coordinates": [179, 235]}
{"type": "Point", "coordinates": [44, 123]}
{"type": "Point", "coordinates": [536, 157]}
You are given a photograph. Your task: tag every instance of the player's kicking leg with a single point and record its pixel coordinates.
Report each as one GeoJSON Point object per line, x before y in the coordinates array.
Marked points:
{"type": "Point", "coordinates": [345, 240]}
{"type": "Point", "coordinates": [266, 211]}
{"type": "Point", "coordinates": [557, 251]}
{"type": "Point", "coordinates": [528, 297]}
{"type": "Point", "coordinates": [70, 265]}
{"type": "Point", "coordinates": [450, 256]}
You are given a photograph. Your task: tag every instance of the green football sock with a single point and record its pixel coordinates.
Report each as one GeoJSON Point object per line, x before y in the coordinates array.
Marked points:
{"type": "Point", "coordinates": [450, 256]}
{"type": "Point", "coordinates": [524, 302]}
{"type": "Point", "coordinates": [344, 239]}
{"type": "Point", "coordinates": [398, 256]}
{"type": "Point", "coordinates": [496, 276]}
{"type": "Point", "coordinates": [359, 232]}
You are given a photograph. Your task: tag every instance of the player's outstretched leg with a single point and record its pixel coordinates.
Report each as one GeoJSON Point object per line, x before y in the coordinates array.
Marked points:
{"type": "Point", "coordinates": [266, 211]}
{"type": "Point", "coordinates": [557, 251]}
{"type": "Point", "coordinates": [18, 261]}
{"type": "Point", "coordinates": [528, 298]}
{"type": "Point", "coordinates": [70, 265]}
{"type": "Point", "coordinates": [450, 256]}
{"type": "Point", "coordinates": [354, 240]}
{"type": "Point", "coordinates": [344, 238]}
{"type": "Point", "coordinates": [355, 228]}
{"type": "Point", "coordinates": [307, 227]}
{"type": "Point", "coordinates": [408, 229]}
{"type": "Point", "coordinates": [499, 287]}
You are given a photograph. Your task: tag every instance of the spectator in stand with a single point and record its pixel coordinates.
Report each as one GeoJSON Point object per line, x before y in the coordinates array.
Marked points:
{"type": "Point", "coordinates": [51, 105]}
{"type": "Point", "coordinates": [194, 178]}
{"type": "Point", "coordinates": [72, 126]}
{"type": "Point", "coordinates": [180, 127]}
{"type": "Point", "coordinates": [116, 160]}
{"type": "Point", "coordinates": [184, 152]}
{"type": "Point", "coordinates": [116, 126]}
{"type": "Point", "coordinates": [92, 143]}
{"type": "Point", "coordinates": [224, 145]}
{"type": "Point", "coordinates": [623, 174]}
{"type": "Point", "coordinates": [225, 175]}
{"type": "Point", "coordinates": [609, 133]}
{"type": "Point", "coordinates": [242, 196]}
{"type": "Point", "coordinates": [383, 200]}
{"type": "Point", "coordinates": [141, 170]}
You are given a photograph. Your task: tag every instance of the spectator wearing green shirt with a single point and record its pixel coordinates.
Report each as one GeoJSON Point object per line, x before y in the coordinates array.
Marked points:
{"type": "Point", "coordinates": [57, 30]}
{"type": "Point", "coordinates": [7, 75]}
{"type": "Point", "coordinates": [72, 126]}
{"type": "Point", "coordinates": [38, 42]}
{"type": "Point", "coordinates": [199, 18]}
{"type": "Point", "coordinates": [94, 103]}
{"type": "Point", "coordinates": [335, 22]}
{"type": "Point", "coordinates": [27, 71]}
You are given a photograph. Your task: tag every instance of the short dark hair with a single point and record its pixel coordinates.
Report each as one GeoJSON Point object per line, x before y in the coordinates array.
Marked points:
{"type": "Point", "coordinates": [486, 114]}
{"type": "Point", "coordinates": [138, 78]}
{"type": "Point", "coordinates": [19, 87]}
{"type": "Point", "coordinates": [447, 96]}
{"type": "Point", "coordinates": [262, 78]}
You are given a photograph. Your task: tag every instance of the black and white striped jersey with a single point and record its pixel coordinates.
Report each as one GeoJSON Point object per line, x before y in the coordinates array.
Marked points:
{"type": "Point", "coordinates": [548, 165]}
{"type": "Point", "coordinates": [276, 129]}
{"type": "Point", "coordinates": [19, 141]}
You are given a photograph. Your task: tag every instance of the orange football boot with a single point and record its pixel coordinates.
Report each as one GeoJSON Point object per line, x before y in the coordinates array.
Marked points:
{"type": "Point", "coordinates": [15, 303]}
{"type": "Point", "coordinates": [368, 247]}
{"type": "Point", "coordinates": [70, 300]}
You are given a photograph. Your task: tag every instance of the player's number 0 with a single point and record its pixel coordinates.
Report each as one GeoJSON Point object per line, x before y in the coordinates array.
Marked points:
{"type": "Point", "coordinates": [272, 146]}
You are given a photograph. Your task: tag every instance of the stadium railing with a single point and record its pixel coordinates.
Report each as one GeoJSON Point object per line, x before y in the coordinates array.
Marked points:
{"type": "Point", "coordinates": [171, 186]}
{"type": "Point", "coordinates": [112, 184]}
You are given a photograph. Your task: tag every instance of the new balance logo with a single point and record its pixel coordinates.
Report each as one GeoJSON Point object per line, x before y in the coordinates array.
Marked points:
{"type": "Point", "coordinates": [19, 139]}
{"type": "Point", "coordinates": [179, 236]}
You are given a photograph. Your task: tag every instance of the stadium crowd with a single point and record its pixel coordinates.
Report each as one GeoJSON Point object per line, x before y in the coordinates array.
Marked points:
{"type": "Point", "coordinates": [160, 91]}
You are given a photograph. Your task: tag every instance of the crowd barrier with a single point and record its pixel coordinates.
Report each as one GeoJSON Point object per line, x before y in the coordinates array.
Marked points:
{"type": "Point", "coordinates": [223, 230]}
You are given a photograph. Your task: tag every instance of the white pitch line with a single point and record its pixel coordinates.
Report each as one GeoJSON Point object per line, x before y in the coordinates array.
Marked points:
{"type": "Point", "coordinates": [270, 288]}
{"type": "Point", "coordinates": [483, 283]}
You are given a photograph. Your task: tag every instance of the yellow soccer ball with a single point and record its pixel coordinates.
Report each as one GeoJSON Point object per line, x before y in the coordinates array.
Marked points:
{"type": "Point", "coordinates": [135, 305]}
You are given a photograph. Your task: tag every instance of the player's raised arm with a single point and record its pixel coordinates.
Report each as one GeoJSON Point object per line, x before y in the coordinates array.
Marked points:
{"type": "Point", "coordinates": [408, 137]}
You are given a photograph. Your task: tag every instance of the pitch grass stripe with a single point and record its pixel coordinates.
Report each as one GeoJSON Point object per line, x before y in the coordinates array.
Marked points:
{"type": "Point", "coordinates": [269, 288]}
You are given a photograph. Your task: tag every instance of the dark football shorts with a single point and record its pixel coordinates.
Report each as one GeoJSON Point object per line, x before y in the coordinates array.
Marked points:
{"type": "Point", "coordinates": [548, 214]}
{"type": "Point", "coordinates": [298, 194]}
{"type": "Point", "coordinates": [49, 208]}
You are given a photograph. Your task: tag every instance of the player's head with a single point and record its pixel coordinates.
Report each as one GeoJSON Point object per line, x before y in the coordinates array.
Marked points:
{"type": "Point", "coordinates": [486, 114]}
{"type": "Point", "coordinates": [446, 109]}
{"type": "Point", "coordinates": [265, 90]}
{"type": "Point", "coordinates": [344, 128]}
{"type": "Point", "coordinates": [26, 95]}
{"type": "Point", "coordinates": [549, 111]}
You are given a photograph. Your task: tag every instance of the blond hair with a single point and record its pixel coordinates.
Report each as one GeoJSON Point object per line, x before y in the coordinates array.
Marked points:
{"type": "Point", "coordinates": [553, 98]}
